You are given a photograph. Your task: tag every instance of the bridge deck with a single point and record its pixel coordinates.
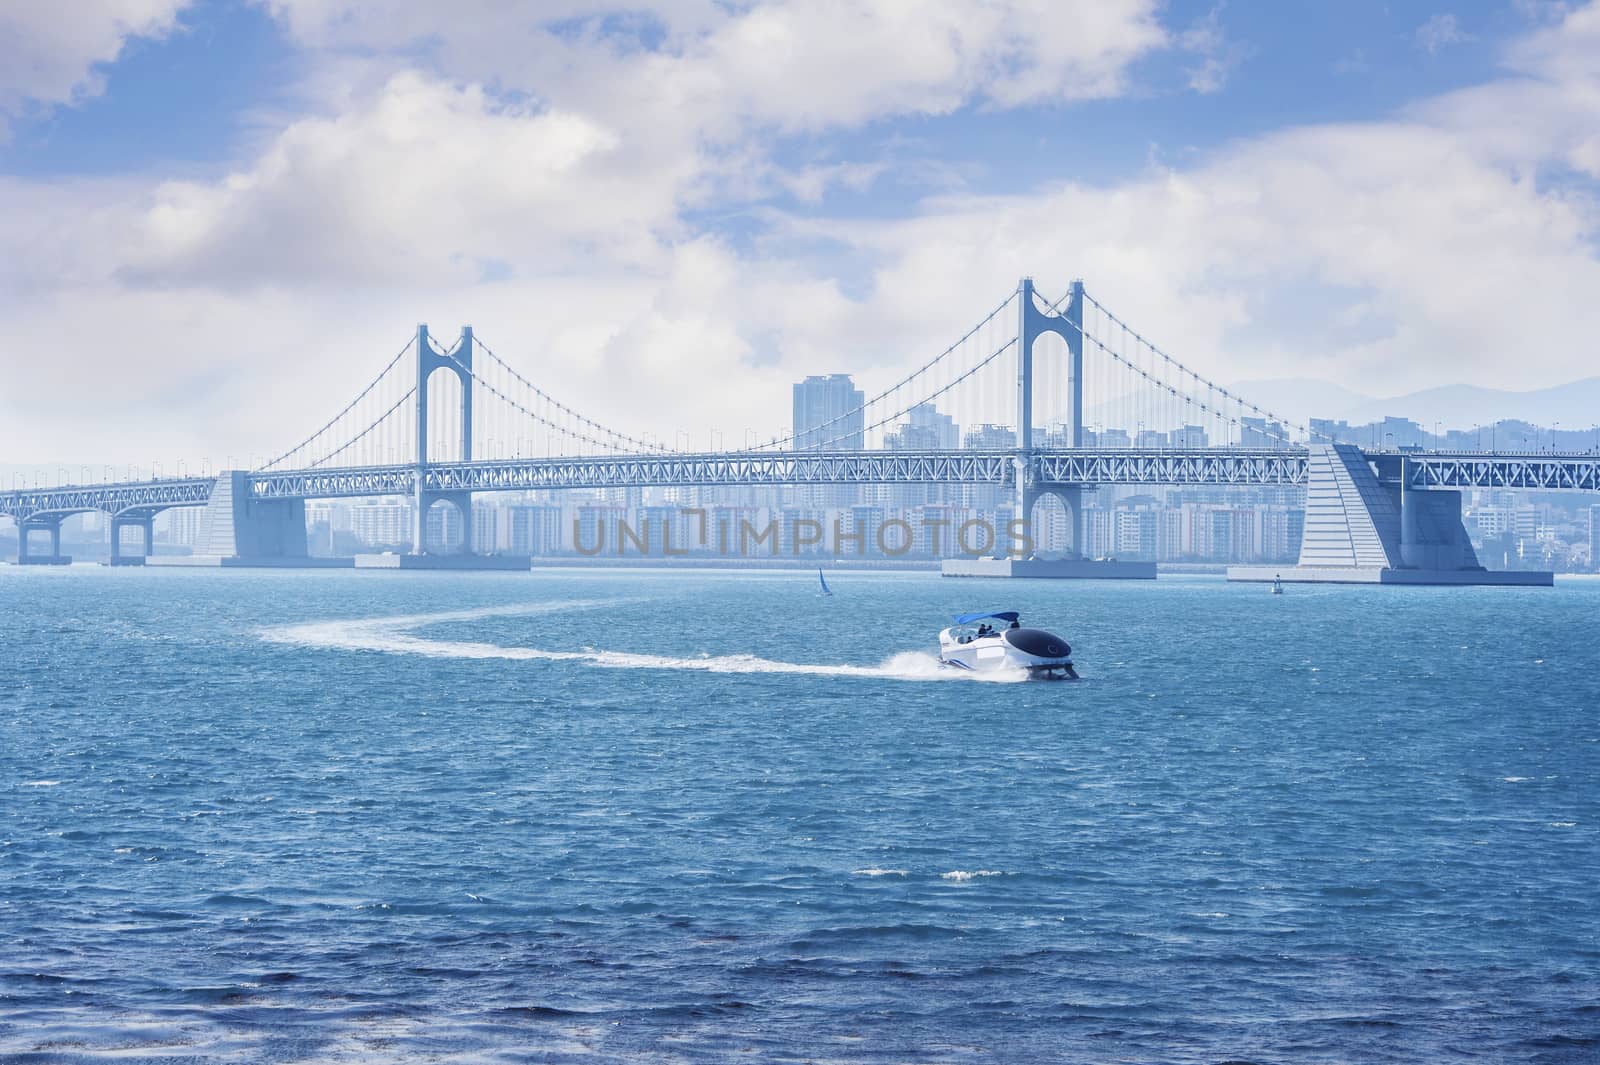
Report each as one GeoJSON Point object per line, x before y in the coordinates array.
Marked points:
{"type": "Point", "coordinates": [1082, 466]}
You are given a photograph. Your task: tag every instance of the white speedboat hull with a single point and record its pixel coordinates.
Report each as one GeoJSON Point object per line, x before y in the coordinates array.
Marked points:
{"type": "Point", "coordinates": [1040, 654]}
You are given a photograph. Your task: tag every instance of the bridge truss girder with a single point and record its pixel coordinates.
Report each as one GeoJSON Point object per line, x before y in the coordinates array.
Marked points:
{"type": "Point", "coordinates": [998, 468]}
{"type": "Point", "coordinates": [133, 497]}
{"type": "Point", "coordinates": [1091, 466]}
{"type": "Point", "coordinates": [1548, 473]}
{"type": "Point", "coordinates": [1059, 466]}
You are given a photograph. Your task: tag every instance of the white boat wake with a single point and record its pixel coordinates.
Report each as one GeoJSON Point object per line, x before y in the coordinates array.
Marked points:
{"type": "Point", "coordinates": [397, 635]}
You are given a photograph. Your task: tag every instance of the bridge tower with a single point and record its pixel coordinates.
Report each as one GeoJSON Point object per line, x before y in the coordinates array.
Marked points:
{"type": "Point", "coordinates": [1032, 324]}
{"type": "Point", "coordinates": [459, 362]}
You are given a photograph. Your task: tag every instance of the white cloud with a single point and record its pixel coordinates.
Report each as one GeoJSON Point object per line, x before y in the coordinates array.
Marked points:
{"type": "Point", "coordinates": [422, 182]}
{"type": "Point", "coordinates": [1439, 32]}
{"type": "Point", "coordinates": [568, 227]}
{"type": "Point", "coordinates": [1467, 272]}
{"type": "Point", "coordinates": [1217, 55]}
{"type": "Point", "coordinates": [49, 54]}
{"type": "Point", "coordinates": [793, 64]}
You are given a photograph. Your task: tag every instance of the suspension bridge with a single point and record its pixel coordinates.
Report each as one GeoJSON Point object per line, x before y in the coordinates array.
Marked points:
{"type": "Point", "coordinates": [1037, 399]}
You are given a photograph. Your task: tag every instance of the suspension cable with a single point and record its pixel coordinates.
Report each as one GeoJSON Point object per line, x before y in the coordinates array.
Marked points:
{"type": "Point", "coordinates": [559, 429]}
{"type": "Point", "coordinates": [1219, 414]}
{"type": "Point", "coordinates": [542, 394]}
{"type": "Point", "coordinates": [355, 439]}
{"type": "Point", "coordinates": [348, 407]}
{"type": "Point", "coordinates": [925, 367]}
{"type": "Point", "coordinates": [1185, 369]}
{"type": "Point", "coordinates": [886, 419]}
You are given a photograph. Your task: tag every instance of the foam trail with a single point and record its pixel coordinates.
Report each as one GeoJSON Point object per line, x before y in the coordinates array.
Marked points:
{"type": "Point", "coordinates": [396, 635]}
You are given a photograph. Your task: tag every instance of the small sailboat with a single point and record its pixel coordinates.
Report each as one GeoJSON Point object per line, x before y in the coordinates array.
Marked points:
{"type": "Point", "coordinates": [824, 581]}
{"type": "Point", "coordinates": [1277, 585]}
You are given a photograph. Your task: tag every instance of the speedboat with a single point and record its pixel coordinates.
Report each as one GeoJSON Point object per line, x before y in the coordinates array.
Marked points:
{"type": "Point", "coordinates": [997, 642]}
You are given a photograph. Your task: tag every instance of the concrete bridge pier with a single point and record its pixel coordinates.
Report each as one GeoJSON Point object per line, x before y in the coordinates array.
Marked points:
{"type": "Point", "coordinates": [51, 525]}
{"type": "Point", "coordinates": [146, 523]}
{"type": "Point", "coordinates": [236, 529]}
{"type": "Point", "coordinates": [1365, 525]}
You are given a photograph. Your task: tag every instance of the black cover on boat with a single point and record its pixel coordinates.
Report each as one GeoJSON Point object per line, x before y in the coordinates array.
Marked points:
{"type": "Point", "coordinates": [1037, 642]}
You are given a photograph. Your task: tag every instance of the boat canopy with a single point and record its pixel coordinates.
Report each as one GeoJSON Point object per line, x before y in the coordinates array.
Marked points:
{"type": "Point", "coordinates": [999, 615]}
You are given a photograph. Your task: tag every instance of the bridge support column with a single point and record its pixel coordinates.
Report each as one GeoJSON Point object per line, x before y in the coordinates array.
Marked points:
{"type": "Point", "coordinates": [146, 524]}
{"type": "Point", "coordinates": [50, 525]}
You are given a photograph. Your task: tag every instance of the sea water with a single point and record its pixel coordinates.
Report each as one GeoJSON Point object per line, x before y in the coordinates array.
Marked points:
{"type": "Point", "coordinates": [698, 816]}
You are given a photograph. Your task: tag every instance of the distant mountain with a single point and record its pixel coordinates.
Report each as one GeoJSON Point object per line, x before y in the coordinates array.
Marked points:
{"type": "Point", "coordinates": [1574, 406]}
{"type": "Point", "coordinates": [1300, 398]}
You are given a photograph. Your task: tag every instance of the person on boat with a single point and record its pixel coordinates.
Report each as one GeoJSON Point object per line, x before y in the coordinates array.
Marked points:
{"type": "Point", "coordinates": [985, 630]}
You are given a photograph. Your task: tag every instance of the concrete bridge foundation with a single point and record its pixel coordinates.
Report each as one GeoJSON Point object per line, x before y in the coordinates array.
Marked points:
{"type": "Point", "coordinates": [1361, 529]}
{"type": "Point", "coordinates": [237, 528]}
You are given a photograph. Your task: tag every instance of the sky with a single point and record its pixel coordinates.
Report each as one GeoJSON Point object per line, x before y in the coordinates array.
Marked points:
{"type": "Point", "coordinates": [220, 218]}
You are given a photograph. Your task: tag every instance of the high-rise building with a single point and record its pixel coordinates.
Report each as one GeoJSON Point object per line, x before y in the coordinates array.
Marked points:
{"type": "Point", "coordinates": [1326, 430]}
{"type": "Point", "coordinates": [1051, 528]}
{"type": "Point", "coordinates": [528, 529]}
{"type": "Point", "coordinates": [1136, 535]}
{"type": "Point", "coordinates": [443, 528]}
{"type": "Point", "coordinates": [1169, 535]}
{"type": "Point", "coordinates": [1099, 532]}
{"type": "Point", "coordinates": [934, 426]}
{"type": "Point", "coordinates": [485, 538]}
{"type": "Point", "coordinates": [925, 429]}
{"type": "Point", "coordinates": [183, 525]}
{"type": "Point", "coordinates": [828, 416]}
{"type": "Point", "coordinates": [990, 438]}
{"type": "Point", "coordinates": [1279, 529]}
{"type": "Point", "coordinates": [381, 524]}
{"type": "Point", "coordinates": [1259, 432]}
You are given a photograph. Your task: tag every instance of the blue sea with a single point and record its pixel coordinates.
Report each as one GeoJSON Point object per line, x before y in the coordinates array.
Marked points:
{"type": "Point", "coordinates": [636, 816]}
